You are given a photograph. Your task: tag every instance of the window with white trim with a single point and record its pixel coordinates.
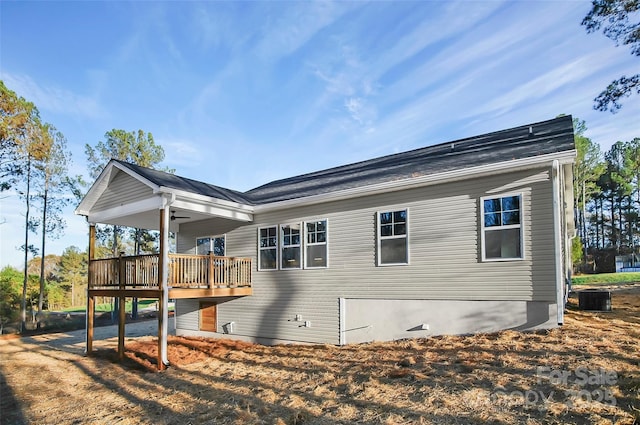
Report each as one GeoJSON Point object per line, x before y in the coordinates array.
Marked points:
{"type": "Point", "coordinates": [268, 248]}
{"type": "Point", "coordinates": [213, 244]}
{"type": "Point", "coordinates": [393, 246]}
{"type": "Point", "coordinates": [290, 246]}
{"type": "Point", "coordinates": [316, 244]}
{"type": "Point", "coordinates": [502, 227]}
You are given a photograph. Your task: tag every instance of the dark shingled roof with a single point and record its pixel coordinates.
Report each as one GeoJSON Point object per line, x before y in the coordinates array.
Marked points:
{"type": "Point", "coordinates": [172, 181]}
{"type": "Point", "coordinates": [526, 141]}
{"type": "Point", "coordinates": [547, 137]}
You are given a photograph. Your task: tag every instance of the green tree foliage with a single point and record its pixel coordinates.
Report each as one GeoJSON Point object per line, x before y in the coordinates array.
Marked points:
{"type": "Point", "coordinates": [31, 144]}
{"type": "Point", "coordinates": [17, 118]}
{"type": "Point", "coordinates": [34, 162]}
{"type": "Point", "coordinates": [137, 148]}
{"type": "Point", "coordinates": [72, 274]}
{"type": "Point", "coordinates": [134, 147]}
{"type": "Point", "coordinates": [10, 294]}
{"type": "Point", "coordinates": [57, 297]}
{"type": "Point", "coordinates": [632, 159]}
{"type": "Point", "coordinates": [586, 172]}
{"type": "Point", "coordinates": [619, 20]}
{"type": "Point", "coordinates": [616, 208]}
{"type": "Point", "coordinates": [577, 252]}
{"type": "Point", "coordinates": [52, 185]}
{"type": "Point", "coordinates": [11, 281]}
{"type": "Point", "coordinates": [607, 197]}
{"type": "Point", "coordinates": [144, 241]}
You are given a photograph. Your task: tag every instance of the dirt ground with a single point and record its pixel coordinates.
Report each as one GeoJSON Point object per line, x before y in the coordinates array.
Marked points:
{"type": "Point", "coordinates": [587, 372]}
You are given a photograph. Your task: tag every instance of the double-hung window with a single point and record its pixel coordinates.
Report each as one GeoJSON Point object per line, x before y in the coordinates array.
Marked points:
{"type": "Point", "coordinates": [214, 244]}
{"type": "Point", "coordinates": [316, 244]}
{"type": "Point", "coordinates": [268, 248]}
{"type": "Point", "coordinates": [290, 248]}
{"type": "Point", "coordinates": [502, 227]}
{"type": "Point", "coordinates": [393, 244]}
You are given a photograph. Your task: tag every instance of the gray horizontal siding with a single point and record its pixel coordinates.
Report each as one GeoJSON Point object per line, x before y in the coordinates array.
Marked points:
{"type": "Point", "coordinates": [123, 190]}
{"type": "Point", "coordinates": [444, 237]}
{"type": "Point", "coordinates": [187, 314]}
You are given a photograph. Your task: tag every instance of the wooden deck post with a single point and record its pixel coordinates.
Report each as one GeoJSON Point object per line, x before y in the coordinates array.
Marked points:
{"type": "Point", "coordinates": [121, 321]}
{"type": "Point", "coordinates": [211, 280]}
{"type": "Point", "coordinates": [90, 301]}
{"type": "Point", "coordinates": [90, 316]}
{"type": "Point", "coordinates": [121, 307]}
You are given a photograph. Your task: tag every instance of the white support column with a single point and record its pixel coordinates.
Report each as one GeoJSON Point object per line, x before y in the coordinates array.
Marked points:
{"type": "Point", "coordinates": [165, 277]}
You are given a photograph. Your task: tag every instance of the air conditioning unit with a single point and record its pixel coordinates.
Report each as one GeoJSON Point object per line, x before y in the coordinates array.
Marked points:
{"type": "Point", "coordinates": [594, 300]}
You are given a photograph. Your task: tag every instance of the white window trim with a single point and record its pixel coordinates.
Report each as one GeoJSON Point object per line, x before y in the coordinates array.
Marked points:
{"type": "Point", "coordinates": [211, 237]}
{"type": "Point", "coordinates": [277, 248]}
{"type": "Point", "coordinates": [510, 226]}
{"type": "Point", "coordinates": [379, 237]}
{"type": "Point", "coordinates": [325, 243]}
{"type": "Point", "coordinates": [282, 246]}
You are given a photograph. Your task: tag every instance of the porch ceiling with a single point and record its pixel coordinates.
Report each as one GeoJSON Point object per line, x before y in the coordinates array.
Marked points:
{"type": "Point", "coordinates": [150, 218]}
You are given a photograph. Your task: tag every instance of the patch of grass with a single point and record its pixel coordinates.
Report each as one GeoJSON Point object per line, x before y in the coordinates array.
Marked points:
{"type": "Point", "coordinates": [108, 307]}
{"type": "Point", "coordinates": [99, 308]}
{"type": "Point", "coordinates": [606, 279]}
{"type": "Point", "coordinates": [142, 303]}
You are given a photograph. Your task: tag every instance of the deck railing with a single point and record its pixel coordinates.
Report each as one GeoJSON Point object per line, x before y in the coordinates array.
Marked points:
{"type": "Point", "coordinates": [185, 271]}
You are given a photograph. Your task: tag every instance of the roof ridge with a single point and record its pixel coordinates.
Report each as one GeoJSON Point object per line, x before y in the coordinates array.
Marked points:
{"type": "Point", "coordinates": [544, 137]}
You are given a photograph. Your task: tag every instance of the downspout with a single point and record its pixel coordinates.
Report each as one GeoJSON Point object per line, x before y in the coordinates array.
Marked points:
{"type": "Point", "coordinates": [557, 239]}
{"type": "Point", "coordinates": [165, 276]}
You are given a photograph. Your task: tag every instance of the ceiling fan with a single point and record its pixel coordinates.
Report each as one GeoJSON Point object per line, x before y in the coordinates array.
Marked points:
{"type": "Point", "coordinates": [175, 217]}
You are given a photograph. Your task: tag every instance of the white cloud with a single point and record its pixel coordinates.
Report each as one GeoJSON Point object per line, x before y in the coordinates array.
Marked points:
{"type": "Point", "coordinates": [52, 98]}
{"type": "Point", "coordinates": [295, 25]}
{"type": "Point", "coordinates": [181, 153]}
{"type": "Point", "coordinates": [565, 74]}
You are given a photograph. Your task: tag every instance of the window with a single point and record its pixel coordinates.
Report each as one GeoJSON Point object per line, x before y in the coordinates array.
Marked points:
{"type": "Point", "coordinates": [286, 247]}
{"type": "Point", "coordinates": [393, 245]}
{"type": "Point", "coordinates": [268, 248]}
{"type": "Point", "coordinates": [501, 227]}
{"type": "Point", "coordinates": [290, 246]}
{"type": "Point", "coordinates": [316, 244]}
{"type": "Point", "coordinates": [214, 244]}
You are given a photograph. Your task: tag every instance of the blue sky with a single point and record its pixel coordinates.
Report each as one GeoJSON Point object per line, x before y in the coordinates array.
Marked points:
{"type": "Point", "coordinates": [242, 93]}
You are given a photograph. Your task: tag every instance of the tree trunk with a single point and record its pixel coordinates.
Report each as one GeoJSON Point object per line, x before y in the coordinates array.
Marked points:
{"type": "Point", "coordinates": [23, 321]}
{"type": "Point", "coordinates": [114, 248]}
{"type": "Point", "coordinates": [614, 230]}
{"type": "Point", "coordinates": [602, 235]}
{"type": "Point", "coordinates": [44, 238]}
{"type": "Point", "coordinates": [583, 223]}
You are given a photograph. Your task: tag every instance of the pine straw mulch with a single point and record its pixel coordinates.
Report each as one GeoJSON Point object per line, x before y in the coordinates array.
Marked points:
{"type": "Point", "coordinates": [500, 378]}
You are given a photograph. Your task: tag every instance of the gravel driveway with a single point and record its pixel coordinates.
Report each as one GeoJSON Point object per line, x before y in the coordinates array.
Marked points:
{"type": "Point", "coordinates": [103, 336]}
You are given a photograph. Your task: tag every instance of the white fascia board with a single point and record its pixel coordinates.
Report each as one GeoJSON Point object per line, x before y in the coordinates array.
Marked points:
{"type": "Point", "coordinates": [101, 184]}
{"type": "Point", "coordinates": [566, 157]}
{"type": "Point", "coordinates": [190, 196]}
{"type": "Point", "coordinates": [132, 208]}
{"type": "Point", "coordinates": [94, 192]}
{"type": "Point", "coordinates": [212, 206]}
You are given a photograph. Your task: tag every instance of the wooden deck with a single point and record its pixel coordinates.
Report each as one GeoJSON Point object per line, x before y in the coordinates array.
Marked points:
{"type": "Point", "coordinates": [189, 276]}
